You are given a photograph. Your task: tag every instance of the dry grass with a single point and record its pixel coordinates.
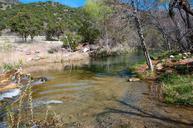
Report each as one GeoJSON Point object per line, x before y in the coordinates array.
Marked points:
{"type": "Point", "coordinates": [30, 54]}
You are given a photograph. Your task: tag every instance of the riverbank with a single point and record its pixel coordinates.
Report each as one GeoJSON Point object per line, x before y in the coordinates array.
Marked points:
{"type": "Point", "coordinates": [174, 74]}
{"type": "Point", "coordinates": [38, 53]}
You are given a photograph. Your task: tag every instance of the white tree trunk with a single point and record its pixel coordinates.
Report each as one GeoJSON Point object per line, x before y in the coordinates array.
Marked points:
{"type": "Point", "coordinates": [141, 36]}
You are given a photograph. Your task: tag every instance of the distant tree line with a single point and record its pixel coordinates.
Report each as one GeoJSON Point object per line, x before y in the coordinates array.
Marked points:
{"type": "Point", "coordinates": [50, 19]}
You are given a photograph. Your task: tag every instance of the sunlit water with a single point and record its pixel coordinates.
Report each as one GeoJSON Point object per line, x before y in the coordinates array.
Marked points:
{"type": "Point", "coordinates": [98, 95]}
{"type": "Point", "coordinates": [79, 93]}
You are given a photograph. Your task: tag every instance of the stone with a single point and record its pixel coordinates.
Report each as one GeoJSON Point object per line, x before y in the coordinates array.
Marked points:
{"type": "Point", "coordinates": [28, 53]}
{"type": "Point", "coordinates": [159, 66]}
{"type": "Point", "coordinates": [133, 79]}
{"type": "Point", "coordinates": [186, 54]}
{"type": "Point", "coordinates": [172, 56]}
{"type": "Point", "coordinates": [86, 49]}
{"type": "Point", "coordinates": [36, 52]}
{"type": "Point", "coordinates": [184, 57]}
{"type": "Point", "coordinates": [36, 58]}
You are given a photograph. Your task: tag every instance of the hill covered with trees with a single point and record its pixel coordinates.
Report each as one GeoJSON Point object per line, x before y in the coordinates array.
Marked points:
{"type": "Point", "coordinates": [49, 19]}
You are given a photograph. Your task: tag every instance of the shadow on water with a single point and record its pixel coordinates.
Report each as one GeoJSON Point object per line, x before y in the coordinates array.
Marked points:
{"type": "Point", "coordinates": [141, 113]}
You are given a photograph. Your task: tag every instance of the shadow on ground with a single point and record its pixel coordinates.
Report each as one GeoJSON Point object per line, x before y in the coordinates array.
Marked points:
{"type": "Point", "coordinates": [150, 120]}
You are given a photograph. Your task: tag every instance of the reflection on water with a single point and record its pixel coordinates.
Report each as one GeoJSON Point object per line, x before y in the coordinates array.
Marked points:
{"type": "Point", "coordinates": [84, 90]}
{"type": "Point", "coordinates": [98, 95]}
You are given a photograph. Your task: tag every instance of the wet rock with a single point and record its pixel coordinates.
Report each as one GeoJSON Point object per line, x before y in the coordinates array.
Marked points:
{"type": "Point", "coordinates": [133, 79]}
{"type": "Point", "coordinates": [39, 80]}
{"type": "Point", "coordinates": [10, 94]}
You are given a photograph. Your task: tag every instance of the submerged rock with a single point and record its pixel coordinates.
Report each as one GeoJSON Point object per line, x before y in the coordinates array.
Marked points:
{"type": "Point", "coordinates": [39, 80]}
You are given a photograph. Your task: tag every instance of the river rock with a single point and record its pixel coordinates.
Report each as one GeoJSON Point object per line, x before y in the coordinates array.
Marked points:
{"type": "Point", "coordinates": [36, 58]}
{"type": "Point", "coordinates": [36, 52]}
{"type": "Point", "coordinates": [172, 56]}
{"type": "Point", "coordinates": [133, 79]}
{"type": "Point", "coordinates": [159, 66]}
{"type": "Point", "coordinates": [10, 94]}
{"type": "Point", "coordinates": [27, 53]}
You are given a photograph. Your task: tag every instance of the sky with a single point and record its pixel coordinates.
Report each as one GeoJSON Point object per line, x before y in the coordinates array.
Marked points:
{"type": "Point", "coordinates": [71, 3]}
{"type": "Point", "coordinates": [80, 3]}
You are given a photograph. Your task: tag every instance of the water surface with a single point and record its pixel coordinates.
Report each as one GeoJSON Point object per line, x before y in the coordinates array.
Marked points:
{"type": "Point", "coordinates": [98, 95]}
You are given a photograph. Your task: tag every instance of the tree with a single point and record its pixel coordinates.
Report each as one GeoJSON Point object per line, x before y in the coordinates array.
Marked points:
{"type": "Point", "coordinates": [98, 12]}
{"type": "Point", "coordinates": [20, 23]}
{"type": "Point", "coordinates": [54, 29]}
{"type": "Point", "coordinates": [26, 25]}
{"type": "Point", "coordinates": [184, 28]}
{"type": "Point", "coordinates": [141, 36]}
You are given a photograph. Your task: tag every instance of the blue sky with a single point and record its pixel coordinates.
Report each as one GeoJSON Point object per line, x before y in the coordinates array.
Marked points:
{"type": "Point", "coordinates": [71, 3]}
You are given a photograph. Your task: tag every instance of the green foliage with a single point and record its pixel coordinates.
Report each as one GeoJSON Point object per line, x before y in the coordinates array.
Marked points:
{"type": "Point", "coordinates": [88, 32]}
{"type": "Point", "coordinates": [25, 24]}
{"type": "Point", "coordinates": [8, 66]}
{"type": "Point", "coordinates": [177, 88]}
{"type": "Point", "coordinates": [97, 10]}
{"type": "Point", "coordinates": [49, 19]}
{"type": "Point", "coordinates": [71, 40]}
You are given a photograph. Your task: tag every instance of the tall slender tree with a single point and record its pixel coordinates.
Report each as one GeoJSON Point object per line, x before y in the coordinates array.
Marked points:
{"type": "Point", "coordinates": [141, 35]}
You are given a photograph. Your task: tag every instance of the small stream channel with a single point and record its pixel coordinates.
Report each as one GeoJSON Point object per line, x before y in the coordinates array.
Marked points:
{"type": "Point", "coordinates": [98, 95]}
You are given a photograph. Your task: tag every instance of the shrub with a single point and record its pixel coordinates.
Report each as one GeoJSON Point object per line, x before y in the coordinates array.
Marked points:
{"type": "Point", "coordinates": [71, 40]}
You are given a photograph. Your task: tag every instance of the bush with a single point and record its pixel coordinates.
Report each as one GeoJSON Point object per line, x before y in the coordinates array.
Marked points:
{"type": "Point", "coordinates": [88, 32]}
{"type": "Point", "coordinates": [71, 40]}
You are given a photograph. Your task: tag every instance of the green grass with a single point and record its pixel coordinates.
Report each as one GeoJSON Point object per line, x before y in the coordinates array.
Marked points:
{"type": "Point", "coordinates": [177, 89]}
{"type": "Point", "coordinates": [9, 66]}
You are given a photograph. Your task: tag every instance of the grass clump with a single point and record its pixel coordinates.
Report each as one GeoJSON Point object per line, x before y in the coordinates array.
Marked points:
{"type": "Point", "coordinates": [6, 67]}
{"type": "Point", "coordinates": [177, 89]}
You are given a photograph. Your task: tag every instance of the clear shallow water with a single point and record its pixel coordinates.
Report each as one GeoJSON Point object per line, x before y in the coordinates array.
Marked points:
{"type": "Point", "coordinates": [79, 93]}
{"type": "Point", "coordinates": [97, 95]}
